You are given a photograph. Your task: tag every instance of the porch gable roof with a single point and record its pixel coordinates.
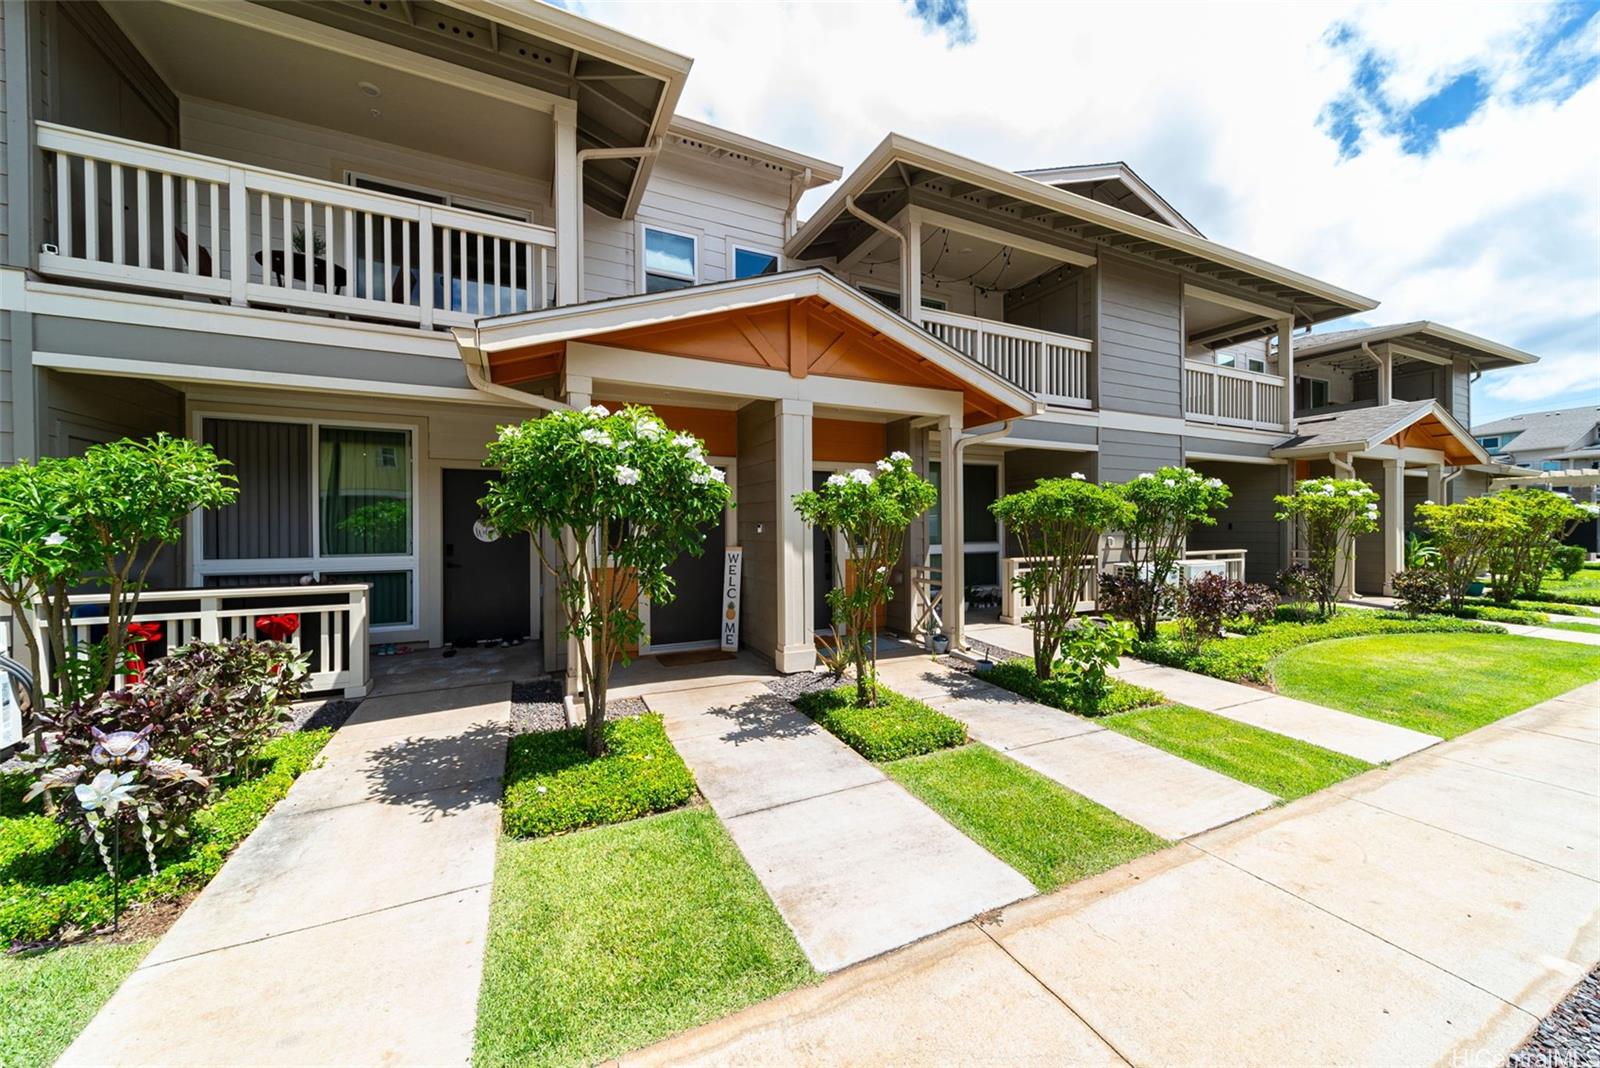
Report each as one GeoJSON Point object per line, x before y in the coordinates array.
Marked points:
{"type": "Point", "coordinates": [803, 322]}
{"type": "Point", "coordinates": [1418, 424]}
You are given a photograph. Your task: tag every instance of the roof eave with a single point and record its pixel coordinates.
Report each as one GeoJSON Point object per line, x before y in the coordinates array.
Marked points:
{"type": "Point", "coordinates": [822, 172]}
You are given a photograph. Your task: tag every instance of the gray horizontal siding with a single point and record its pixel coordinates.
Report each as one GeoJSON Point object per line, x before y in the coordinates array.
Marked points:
{"type": "Point", "coordinates": [1230, 446]}
{"type": "Point", "coordinates": [1042, 430]}
{"type": "Point", "coordinates": [1125, 454]}
{"type": "Point", "coordinates": [1248, 522]}
{"type": "Point", "coordinates": [84, 337]}
{"type": "Point", "coordinates": [1139, 344]}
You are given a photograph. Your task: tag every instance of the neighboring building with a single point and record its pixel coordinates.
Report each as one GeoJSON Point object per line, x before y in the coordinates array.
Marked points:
{"type": "Point", "coordinates": [1564, 440]}
{"type": "Point", "coordinates": [343, 242]}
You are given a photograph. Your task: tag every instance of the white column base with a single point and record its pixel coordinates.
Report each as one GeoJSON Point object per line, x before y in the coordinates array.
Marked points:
{"type": "Point", "coordinates": [791, 659]}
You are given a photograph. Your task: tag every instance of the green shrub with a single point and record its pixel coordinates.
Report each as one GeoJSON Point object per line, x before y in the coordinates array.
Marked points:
{"type": "Point", "coordinates": [1061, 690]}
{"type": "Point", "coordinates": [1245, 659]}
{"type": "Point", "coordinates": [1419, 590]}
{"type": "Point", "coordinates": [1566, 597]}
{"type": "Point", "coordinates": [1568, 560]}
{"type": "Point", "coordinates": [48, 882]}
{"type": "Point", "coordinates": [897, 727]}
{"type": "Point", "coordinates": [1493, 613]}
{"type": "Point", "coordinates": [553, 785]}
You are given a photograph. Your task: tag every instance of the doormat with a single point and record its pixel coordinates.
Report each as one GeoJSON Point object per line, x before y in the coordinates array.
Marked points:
{"type": "Point", "coordinates": [694, 656]}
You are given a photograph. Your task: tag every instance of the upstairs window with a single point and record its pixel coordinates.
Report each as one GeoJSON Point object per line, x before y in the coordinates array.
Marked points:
{"type": "Point", "coordinates": [750, 262]}
{"type": "Point", "coordinates": [1492, 442]}
{"type": "Point", "coordinates": [1310, 393]}
{"type": "Point", "coordinates": [671, 260]}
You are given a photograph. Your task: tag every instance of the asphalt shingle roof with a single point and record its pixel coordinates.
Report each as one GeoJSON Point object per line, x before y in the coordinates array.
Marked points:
{"type": "Point", "coordinates": [1564, 428]}
{"type": "Point", "coordinates": [1371, 424]}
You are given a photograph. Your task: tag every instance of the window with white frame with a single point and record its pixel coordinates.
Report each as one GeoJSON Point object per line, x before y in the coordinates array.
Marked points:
{"type": "Point", "coordinates": [891, 299]}
{"type": "Point", "coordinates": [333, 500]}
{"type": "Point", "coordinates": [671, 259]}
{"type": "Point", "coordinates": [745, 261]}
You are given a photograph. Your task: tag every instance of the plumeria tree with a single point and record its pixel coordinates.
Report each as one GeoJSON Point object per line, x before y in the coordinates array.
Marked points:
{"type": "Point", "coordinates": [1465, 534]}
{"type": "Point", "coordinates": [1167, 503]}
{"type": "Point", "coordinates": [1058, 524]}
{"type": "Point", "coordinates": [611, 500]}
{"type": "Point", "coordinates": [1332, 512]}
{"type": "Point", "coordinates": [103, 518]}
{"type": "Point", "coordinates": [1537, 521]}
{"type": "Point", "coordinates": [871, 511]}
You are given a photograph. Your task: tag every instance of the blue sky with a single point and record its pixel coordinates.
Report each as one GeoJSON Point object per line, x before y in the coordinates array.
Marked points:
{"type": "Point", "coordinates": [1441, 159]}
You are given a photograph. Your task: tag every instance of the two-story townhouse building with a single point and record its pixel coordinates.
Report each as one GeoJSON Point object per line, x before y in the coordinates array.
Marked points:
{"type": "Point", "coordinates": [342, 242]}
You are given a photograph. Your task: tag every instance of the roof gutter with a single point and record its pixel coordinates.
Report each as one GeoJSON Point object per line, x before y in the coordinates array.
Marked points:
{"type": "Point", "coordinates": [477, 367]}
{"type": "Point", "coordinates": [641, 153]}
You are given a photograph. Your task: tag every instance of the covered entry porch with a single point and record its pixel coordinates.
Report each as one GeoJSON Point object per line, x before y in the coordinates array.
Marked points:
{"type": "Point", "coordinates": [787, 378]}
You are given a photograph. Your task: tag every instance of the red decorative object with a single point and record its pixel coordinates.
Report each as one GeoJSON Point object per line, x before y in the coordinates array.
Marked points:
{"type": "Point", "coordinates": [138, 634]}
{"type": "Point", "coordinates": [278, 628]}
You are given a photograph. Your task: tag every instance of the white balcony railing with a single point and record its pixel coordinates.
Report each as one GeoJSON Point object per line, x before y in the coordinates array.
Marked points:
{"type": "Point", "coordinates": [1231, 397]}
{"type": "Point", "coordinates": [132, 214]}
{"type": "Point", "coordinates": [1054, 367]}
{"type": "Point", "coordinates": [332, 625]}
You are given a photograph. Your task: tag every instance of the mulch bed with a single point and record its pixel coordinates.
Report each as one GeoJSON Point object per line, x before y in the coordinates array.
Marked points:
{"type": "Point", "coordinates": [1570, 1036]}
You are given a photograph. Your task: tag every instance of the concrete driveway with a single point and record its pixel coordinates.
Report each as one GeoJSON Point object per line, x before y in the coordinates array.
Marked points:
{"type": "Point", "coordinates": [1426, 913]}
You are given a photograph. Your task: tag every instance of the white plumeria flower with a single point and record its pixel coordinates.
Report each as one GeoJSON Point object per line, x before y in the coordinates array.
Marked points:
{"type": "Point", "coordinates": [106, 792]}
{"type": "Point", "coordinates": [862, 476]}
{"type": "Point", "coordinates": [647, 430]}
{"type": "Point", "coordinates": [898, 455]}
{"type": "Point", "coordinates": [1428, 502]}
{"type": "Point", "coordinates": [1168, 482]}
{"type": "Point", "coordinates": [1214, 483]}
{"type": "Point", "coordinates": [595, 436]}
{"type": "Point", "coordinates": [627, 476]}
{"type": "Point", "coordinates": [598, 410]}
{"type": "Point", "coordinates": [1146, 475]}
{"type": "Point", "coordinates": [837, 479]}
{"type": "Point", "coordinates": [1078, 476]}
{"type": "Point", "coordinates": [55, 539]}
{"type": "Point", "coordinates": [885, 465]}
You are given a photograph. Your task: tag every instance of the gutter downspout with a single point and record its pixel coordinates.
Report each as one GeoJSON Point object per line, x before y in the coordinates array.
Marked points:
{"type": "Point", "coordinates": [956, 561]}
{"type": "Point", "coordinates": [797, 189]}
{"type": "Point", "coordinates": [1383, 388]}
{"type": "Point", "coordinates": [477, 367]}
{"type": "Point", "coordinates": [642, 152]}
{"type": "Point", "coordinates": [877, 224]}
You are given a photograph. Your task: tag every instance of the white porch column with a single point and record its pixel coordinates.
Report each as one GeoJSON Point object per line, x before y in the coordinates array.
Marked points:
{"type": "Point", "coordinates": [1286, 368]}
{"type": "Point", "coordinates": [1436, 484]}
{"type": "Point", "coordinates": [1394, 521]}
{"type": "Point", "coordinates": [568, 203]}
{"type": "Point", "coordinates": [796, 649]}
{"type": "Point", "coordinates": [911, 267]}
{"type": "Point", "coordinates": [952, 570]}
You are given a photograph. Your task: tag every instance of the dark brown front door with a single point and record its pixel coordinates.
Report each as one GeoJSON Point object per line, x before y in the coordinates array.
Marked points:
{"type": "Point", "coordinates": [486, 583]}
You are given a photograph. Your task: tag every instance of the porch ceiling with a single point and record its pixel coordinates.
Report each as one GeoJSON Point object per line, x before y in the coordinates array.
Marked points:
{"type": "Point", "coordinates": [902, 172]}
{"type": "Point", "coordinates": [803, 323]}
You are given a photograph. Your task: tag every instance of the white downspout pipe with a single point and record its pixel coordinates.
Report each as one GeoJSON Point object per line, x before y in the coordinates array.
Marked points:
{"type": "Point", "coordinates": [956, 561]}
{"type": "Point", "coordinates": [877, 224]}
{"type": "Point", "coordinates": [797, 189]}
{"type": "Point", "coordinates": [641, 152]}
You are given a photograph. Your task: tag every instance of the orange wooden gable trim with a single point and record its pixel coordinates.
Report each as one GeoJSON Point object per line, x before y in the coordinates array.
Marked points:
{"type": "Point", "coordinates": [807, 336]}
{"type": "Point", "coordinates": [1430, 432]}
{"type": "Point", "coordinates": [848, 441]}
{"type": "Point", "coordinates": [718, 428]}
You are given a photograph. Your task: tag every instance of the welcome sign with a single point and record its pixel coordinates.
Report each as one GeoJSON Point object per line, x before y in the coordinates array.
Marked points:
{"type": "Point", "coordinates": [732, 569]}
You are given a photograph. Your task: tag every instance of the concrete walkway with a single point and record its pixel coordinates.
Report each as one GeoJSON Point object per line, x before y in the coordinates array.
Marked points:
{"type": "Point", "coordinates": [349, 928]}
{"type": "Point", "coordinates": [1366, 739]}
{"type": "Point", "coordinates": [854, 863]}
{"type": "Point", "coordinates": [1426, 913]}
{"type": "Point", "coordinates": [1161, 792]}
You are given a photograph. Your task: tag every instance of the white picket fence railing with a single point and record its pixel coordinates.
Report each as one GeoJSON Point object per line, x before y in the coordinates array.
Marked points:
{"type": "Point", "coordinates": [133, 214]}
{"type": "Point", "coordinates": [1228, 396]}
{"type": "Point", "coordinates": [1053, 367]}
{"type": "Point", "coordinates": [333, 625]}
{"type": "Point", "coordinates": [1014, 607]}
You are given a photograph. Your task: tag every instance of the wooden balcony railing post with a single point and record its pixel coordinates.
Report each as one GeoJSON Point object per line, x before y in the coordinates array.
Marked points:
{"type": "Point", "coordinates": [356, 635]}
{"type": "Point", "coordinates": [238, 238]}
{"type": "Point", "coordinates": [210, 624]}
{"type": "Point", "coordinates": [425, 265]}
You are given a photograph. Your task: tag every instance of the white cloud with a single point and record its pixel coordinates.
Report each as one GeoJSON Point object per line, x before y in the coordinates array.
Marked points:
{"type": "Point", "coordinates": [1496, 231]}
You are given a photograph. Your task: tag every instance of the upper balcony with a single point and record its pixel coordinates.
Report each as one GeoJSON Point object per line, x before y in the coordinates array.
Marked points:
{"type": "Point", "coordinates": [1053, 367]}
{"type": "Point", "coordinates": [1228, 396]}
{"type": "Point", "coordinates": [135, 215]}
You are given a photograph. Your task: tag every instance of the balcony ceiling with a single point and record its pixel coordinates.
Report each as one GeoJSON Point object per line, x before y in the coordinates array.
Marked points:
{"type": "Point", "coordinates": [624, 89]}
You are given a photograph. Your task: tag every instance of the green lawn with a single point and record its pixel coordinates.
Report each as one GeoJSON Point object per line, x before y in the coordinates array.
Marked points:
{"type": "Point", "coordinates": [1585, 628]}
{"type": "Point", "coordinates": [50, 996]}
{"type": "Point", "coordinates": [1042, 829]}
{"type": "Point", "coordinates": [608, 939]}
{"type": "Point", "coordinates": [895, 727]}
{"type": "Point", "coordinates": [1279, 765]}
{"type": "Point", "coordinates": [1584, 581]}
{"type": "Point", "coordinates": [1444, 684]}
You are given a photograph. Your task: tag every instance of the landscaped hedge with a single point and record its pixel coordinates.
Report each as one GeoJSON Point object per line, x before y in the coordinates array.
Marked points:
{"type": "Point", "coordinates": [48, 884]}
{"type": "Point", "coordinates": [552, 785]}
{"type": "Point", "coordinates": [1588, 600]}
{"type": "Point", "coordinates": [1245, 659]}
{"type": "Point", "coordinates": [1493, 613]}
{"type": "Point", "coordinates": [897, 727]}
{"type": "Point", "coordinates": [1058, 692]}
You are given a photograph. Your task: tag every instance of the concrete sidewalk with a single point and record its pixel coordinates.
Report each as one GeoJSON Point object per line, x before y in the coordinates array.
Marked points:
{"type": "Point", "coordinates": [1426, 913]}
{"type": "Point", "coordinates": [1366, 739]}
{"type": "Point", "coordinates": [1161, 792]}
{"type": "Point", "coordinates": [349, 928]}
{"type": "Point", "coordinates": [854, 863]}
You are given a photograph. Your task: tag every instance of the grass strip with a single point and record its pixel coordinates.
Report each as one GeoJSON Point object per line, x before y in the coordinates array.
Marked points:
{"type": "Point", "coordinates": [608, 939]}
{"type": "Point", "coordinates": [1058, 691]}
{"type": "Point", "coordinates": [51, 995]}
{"type": "Point", "coordinates": [895, 728]}
{"type": "Point", "coordinates": [1443, 684]}
{"type": "Point", "coordinates": [1272, 762]}
{"type": "Point", "coordinates": [1039, 827]}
